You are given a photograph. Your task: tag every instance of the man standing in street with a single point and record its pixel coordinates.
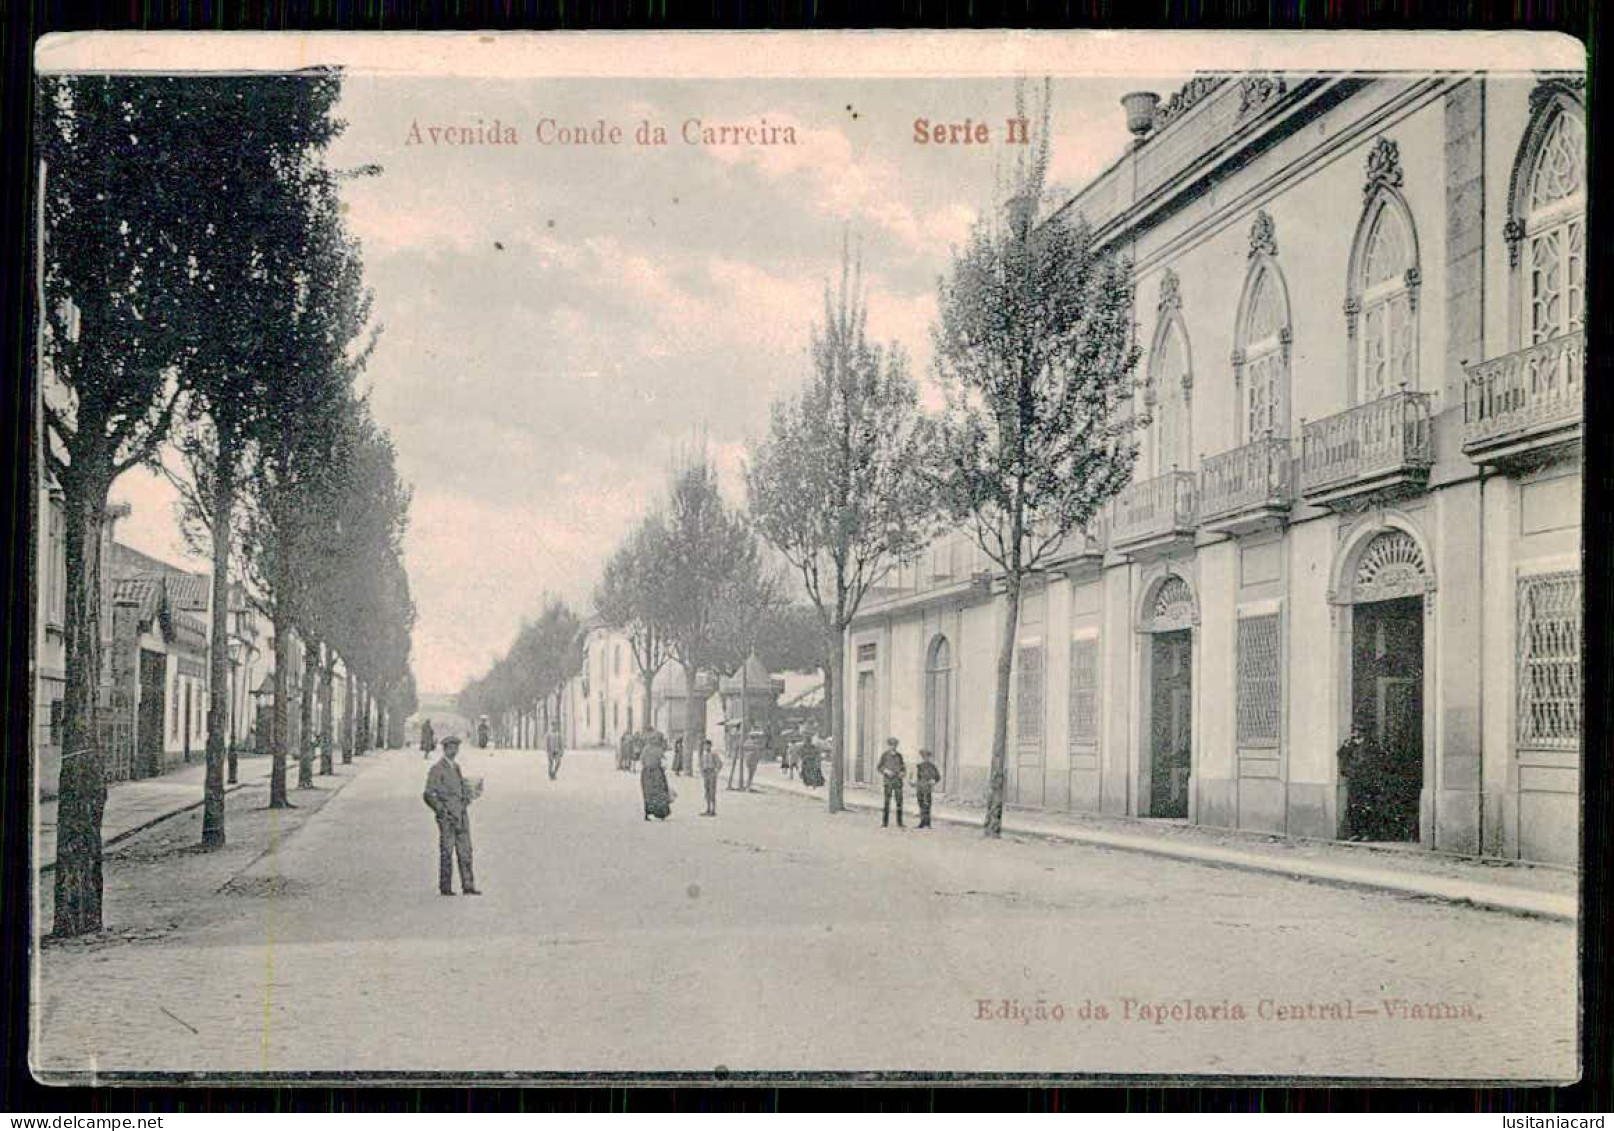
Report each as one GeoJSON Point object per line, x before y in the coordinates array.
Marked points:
{"type": "Point", "coordinates": [710, 764]}
{"type": "Point", "coordinates": [428, 740]}
{"type": "Point", "coordinates": [891, 769]}
{"type": "Point", "coordinates": [552, 745]}
{"type": "Point", "coordinates": [926, 775]}
{"type": "Point", "coordinates": [450, 797]}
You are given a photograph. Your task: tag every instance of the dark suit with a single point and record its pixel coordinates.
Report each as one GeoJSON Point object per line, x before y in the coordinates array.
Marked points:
{"type": "Point", "coordinates": [891, 769]}
{"type": "Point", "coordinates": [450, 799]}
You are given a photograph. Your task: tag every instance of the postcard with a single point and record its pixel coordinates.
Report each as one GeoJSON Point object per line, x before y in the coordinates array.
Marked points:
{"type": "Point", "coordinates": [808, 557]}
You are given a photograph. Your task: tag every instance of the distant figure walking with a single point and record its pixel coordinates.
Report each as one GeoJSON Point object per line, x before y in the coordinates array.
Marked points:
{"type": "Point", "coordinates": [678, 755]}
{"type": "Point", "coordinates": [812, 770]}
{"type": "Point", "coordinates": [891, 769]}
{"type": "Point", "coordinates": [624, 752]}
{"type": "Point", "coordinates": [710, 765]}
{"type": "Point", "coordinates": [428, 740]}
{"type": "Point", "coordinates": [554, 747]}
{"type": "Point", "coordinates": [926, 775]}
{"type": "Point", "coordinates": [653, 784]}
{"type": "Point", "coordinates": [482, 732]}
{"type": "Point", "coordinates": [449, 796]}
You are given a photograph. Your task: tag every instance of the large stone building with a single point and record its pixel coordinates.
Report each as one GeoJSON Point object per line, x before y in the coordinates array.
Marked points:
{"type": "Point", "coordinates": [1360, 301]}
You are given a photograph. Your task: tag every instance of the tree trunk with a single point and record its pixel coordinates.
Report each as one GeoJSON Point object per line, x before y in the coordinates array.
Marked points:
{"type": "Point", "coordinates": [280, 714]}
{"type": "Point", "coordinates": [327, 712]}
{"type": "Point", "coordinates": [361, 704]}
{"type": "Point", "coordinates": [238, 672]}
{"type": "Point", "coordinates": [650, 703]}
{"type": "Point", "coordinates": [347, 714]}
{"type": "Point", "coordinates": [692, 737]}
{"type": "Point", "coordinates": [837, 722]}
{"type": "Point", "coordinates": [305, 711]}
{"type": "Point", "coordinates": [1000, 711]}
{"type": "Point", "coordinates": [81, 791]}
{"type": "Point", "coordinates": [218, 681]}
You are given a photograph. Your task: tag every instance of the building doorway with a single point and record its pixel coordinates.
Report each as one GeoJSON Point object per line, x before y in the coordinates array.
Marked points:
{"type": "Point", "coordinates": [1026, 784]}
{"type": "Point", "coordinates": [939, 708]}
{"type": "Point", "coordinates": [1170, 722]}
{"type": "Point", "coordinates": [865, 726]}
{"type": "Point", "coordinates": [153, 710]}
{"type": "Point", "coordinates": [1387, 705]}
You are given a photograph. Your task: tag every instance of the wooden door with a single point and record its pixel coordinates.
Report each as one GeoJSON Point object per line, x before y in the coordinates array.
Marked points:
{"type": "Point", "coordinates": [1171, 724]}
{"type": "Point", "coordinates": [1387, 703]}
{"type": "Point", "coordinates": [1027, 786]}
{"type": "Point", "coordinates": [865, 726]}
{"type": "Point", "coordinates": [153, 710]}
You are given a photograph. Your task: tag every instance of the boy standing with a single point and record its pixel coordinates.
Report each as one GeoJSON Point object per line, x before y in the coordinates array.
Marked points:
{"type": "Point", "coordinates": [710, 764]}
{"type": "Point", "coordinates": [891, 767]}
{"type": "Point", "coordinates": [925, 779]}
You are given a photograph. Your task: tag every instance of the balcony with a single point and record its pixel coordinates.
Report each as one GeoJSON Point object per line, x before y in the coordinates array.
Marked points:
{"type": "Point", "coordinates": [1379, 450]}
{"type": "Point", "coordinates": [1526, 406]}
{"type": "Point", "coordinates": [1154, 515]}
{"type": "Point", "coordinates": [1247, 489]}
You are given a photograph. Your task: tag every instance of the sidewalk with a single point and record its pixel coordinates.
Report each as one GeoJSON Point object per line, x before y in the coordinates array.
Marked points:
{"type": "Point", "coordinates": [132, 806]}
{"type": "Point", "coordinates": [1522, 889]}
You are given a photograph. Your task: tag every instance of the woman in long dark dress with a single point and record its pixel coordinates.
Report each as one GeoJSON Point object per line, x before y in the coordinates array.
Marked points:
{"type": "Point", "coordinates": [653, 784]}
{"type": "Point", "coordinates": [812, 775]}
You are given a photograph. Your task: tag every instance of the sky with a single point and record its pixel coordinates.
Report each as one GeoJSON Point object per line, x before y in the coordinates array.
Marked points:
{"type": "Point", "coordinates": [560, 321]}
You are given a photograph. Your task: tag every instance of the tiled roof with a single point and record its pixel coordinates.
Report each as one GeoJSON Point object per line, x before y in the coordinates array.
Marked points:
{"type": "Point", "coordinates": [144, 592]}
{"type": "Point", "coordinates": [186, 590]}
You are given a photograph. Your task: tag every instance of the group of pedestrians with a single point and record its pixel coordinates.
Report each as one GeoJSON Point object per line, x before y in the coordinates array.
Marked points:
{"type": "Point", "coordinates": [654, 787]}
{"type": "Point", "coordinates": [892, 768]}
{"type": "Point", "coordinates": [449, 793]}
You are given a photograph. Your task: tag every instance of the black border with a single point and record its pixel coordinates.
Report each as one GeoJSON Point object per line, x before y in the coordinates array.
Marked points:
{"type": "Point", "coordinates": [24, 22]}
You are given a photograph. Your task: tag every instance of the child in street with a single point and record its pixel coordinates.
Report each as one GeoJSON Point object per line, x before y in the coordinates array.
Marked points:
{"type": "Point", "coordinates": [710, 763]}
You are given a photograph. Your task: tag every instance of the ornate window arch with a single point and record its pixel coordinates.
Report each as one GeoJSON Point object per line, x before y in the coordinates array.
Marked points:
{"type": "Point", "coordinates": [1168, 605]}
{"type": "Point", "coordinates": [1381, 307]}
{"type": "Point", "coordinates": [1382, 560]}
{"type": "Point", "coordinates": [1263, 339]}
{"type": "Point", "coordinates": [1546, 225]}
{"type": "Point", "coordinates": [1168, 392]}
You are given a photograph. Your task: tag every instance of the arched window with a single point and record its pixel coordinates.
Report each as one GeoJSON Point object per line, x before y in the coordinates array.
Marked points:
{"type": "Point", "coordinates": [1549, 220]}
{"type": "Point", "coordinates": [1261, 363]}
{"type": "Point", "coordinates": [1169, 389]}
{"type": "Point", "coordinates": [1382, 307]}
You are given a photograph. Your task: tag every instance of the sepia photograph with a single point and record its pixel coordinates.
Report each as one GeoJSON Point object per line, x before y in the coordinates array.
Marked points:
{"type": "Point", "coordinates": [792, 557]}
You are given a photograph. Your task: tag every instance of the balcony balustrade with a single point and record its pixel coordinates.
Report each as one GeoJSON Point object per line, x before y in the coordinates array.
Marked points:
{"type": "Point", "coordinates": [1152, 514]}
{"type": "Point", "coordinates": [1382, 448]}
{"type": "Point", "coordinates": [1525, 404]}
{"type": "Point", "coordinates": [1248, 488]}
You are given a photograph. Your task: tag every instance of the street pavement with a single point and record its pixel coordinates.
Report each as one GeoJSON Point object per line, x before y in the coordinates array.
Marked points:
{"type": "Point", "coordinates": [777, 938]}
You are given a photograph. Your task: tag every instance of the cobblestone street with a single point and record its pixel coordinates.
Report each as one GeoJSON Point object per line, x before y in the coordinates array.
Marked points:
{"type": "Point", "coordinates": [779, 938]}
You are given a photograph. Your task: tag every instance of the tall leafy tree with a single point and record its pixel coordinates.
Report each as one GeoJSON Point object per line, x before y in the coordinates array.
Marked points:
{"type": "Point", "coordinates": [119, 158]}
{"type": "Point", "coordinates": [751, 597]}
{"type": "Point", "coordinates": [706, 542]}
{"type": "Point", "coordinates": [792, 639]}
{"type": "Point", "coordinates": [837, 486]}
{"type": "Point", "coordinates": [268, 134]}
{"type": "Point", "coordinates": [319, 340]}
{"type": "Point", "coordinates": [635, 595]}
{"type": "Point", "coordinates": [1036, 351]}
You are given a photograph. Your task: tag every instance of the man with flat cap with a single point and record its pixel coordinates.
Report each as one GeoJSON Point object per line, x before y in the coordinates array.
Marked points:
{"type": "Point", "coordinates": [449, 796]}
